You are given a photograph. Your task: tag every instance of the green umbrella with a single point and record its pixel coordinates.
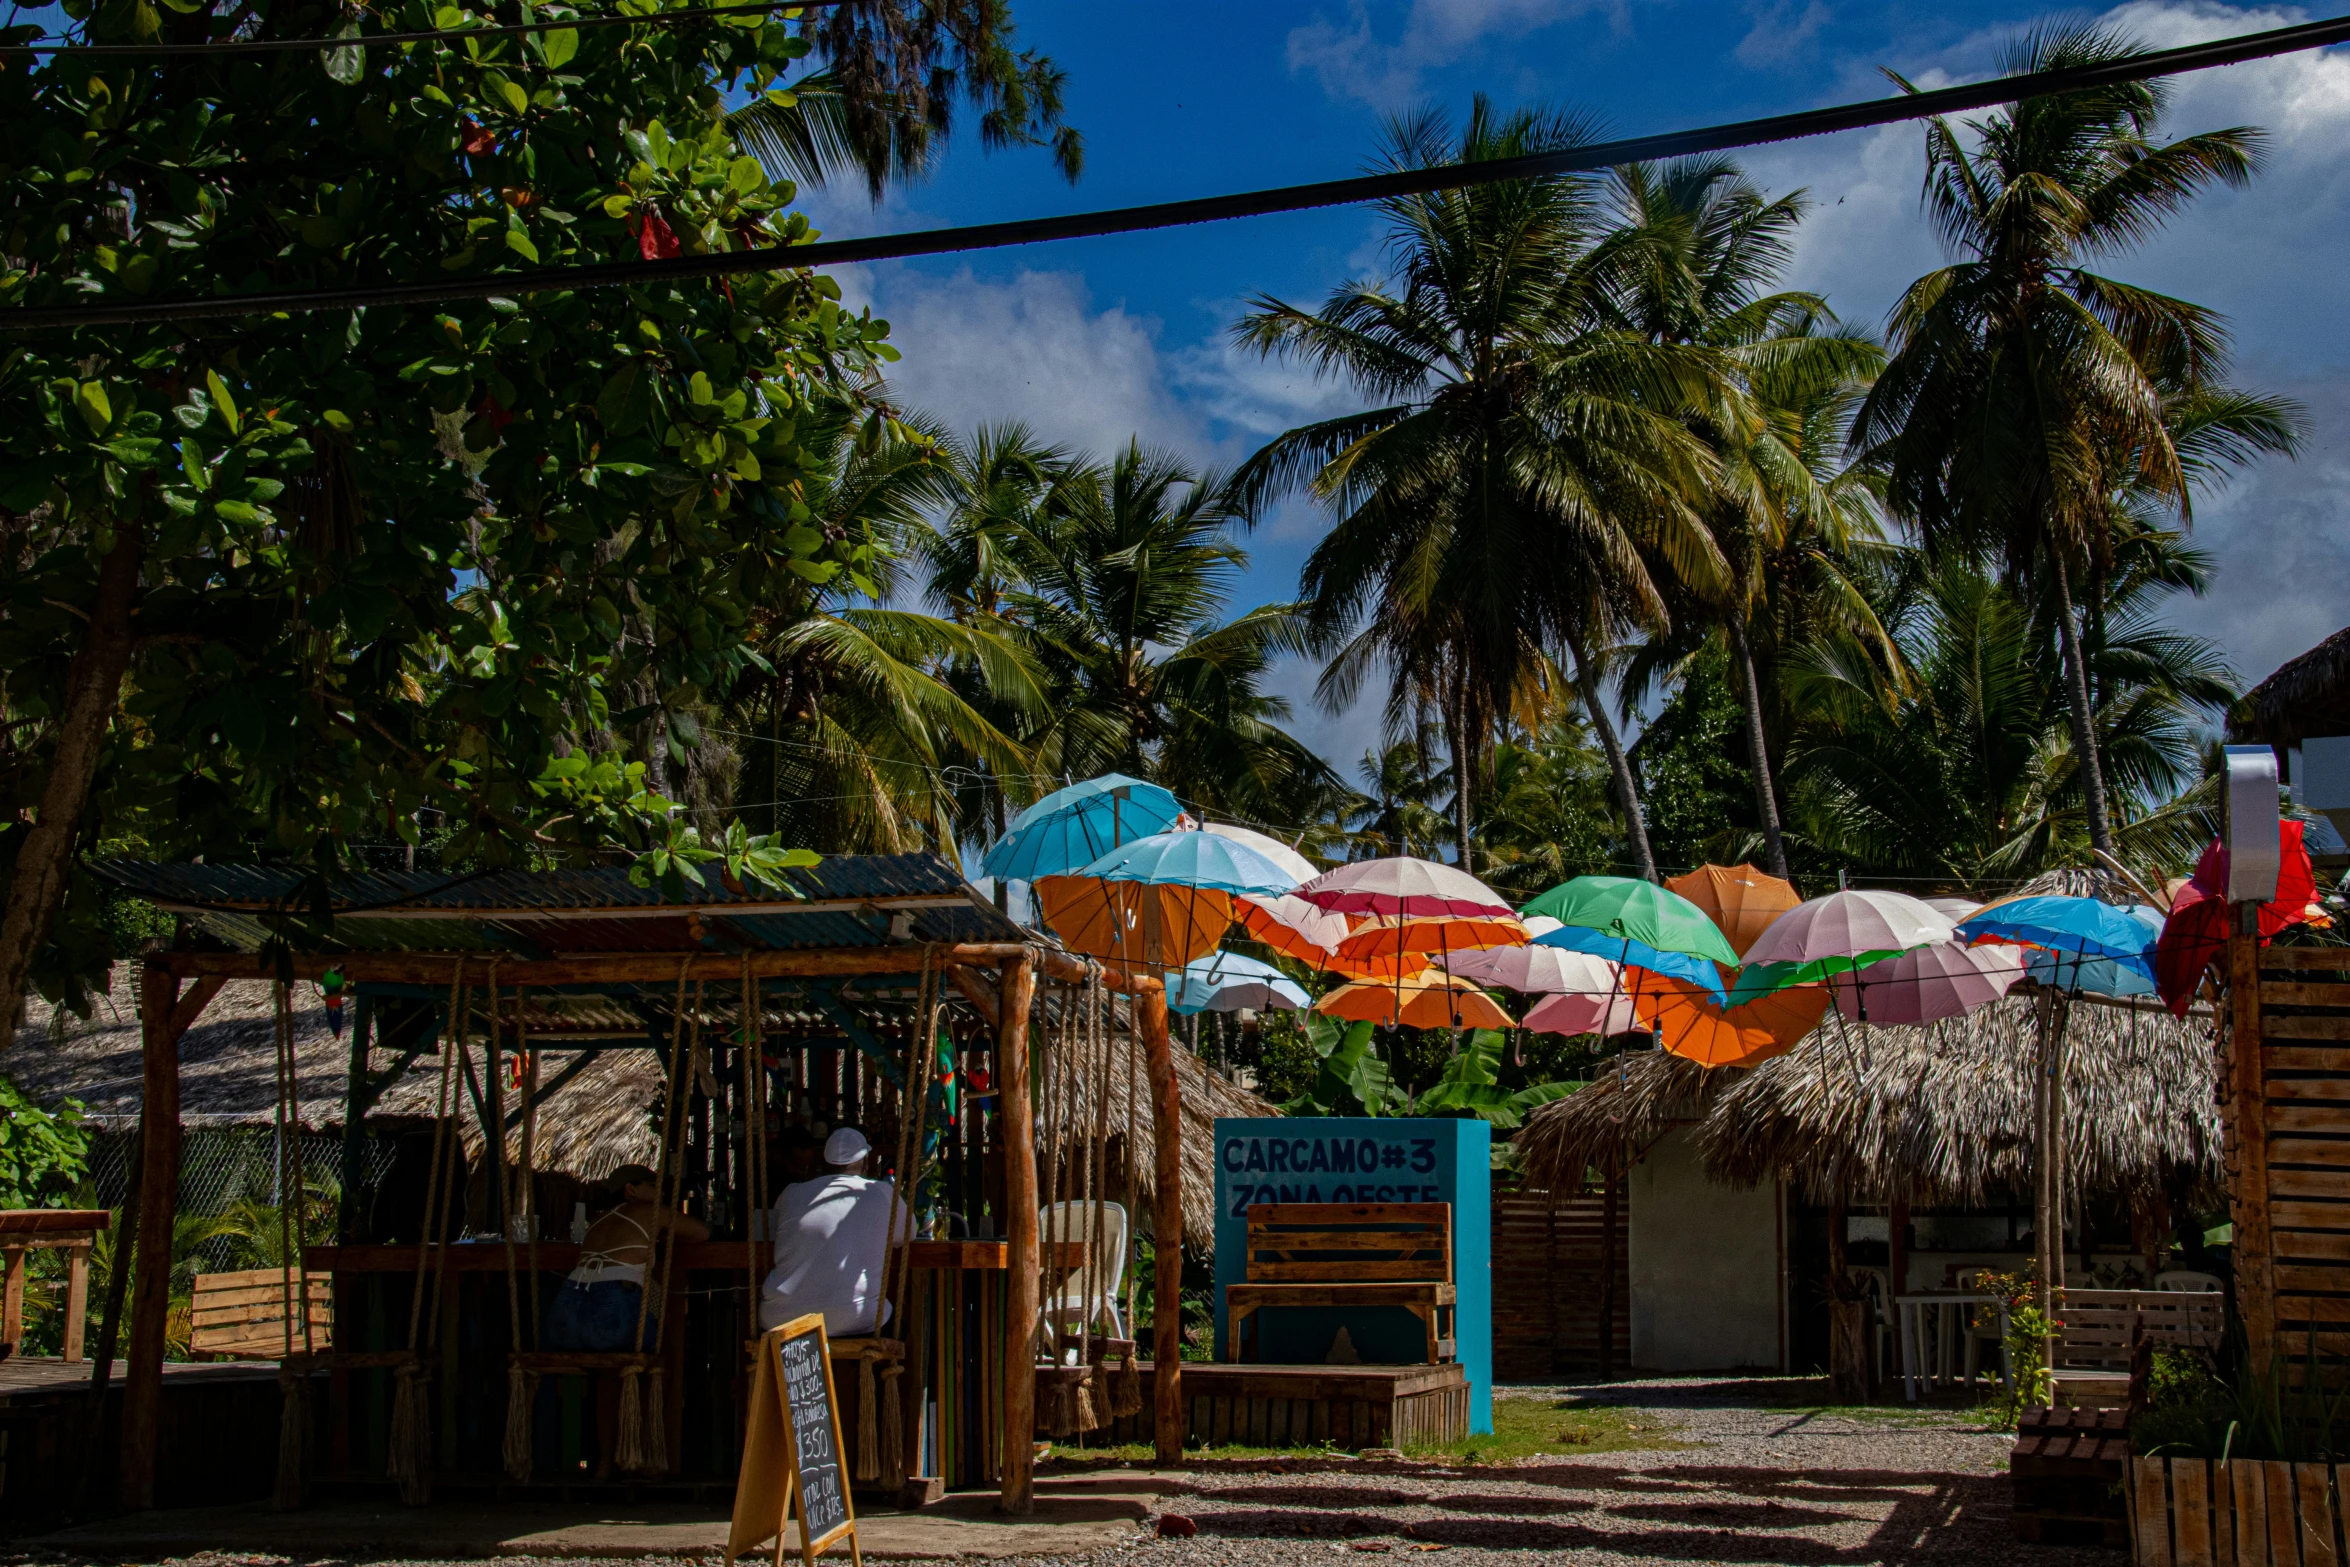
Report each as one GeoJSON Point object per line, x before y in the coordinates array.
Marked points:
{"type": "Point", "coordinates": [1760, 979]}
{"type": "Point", "coordinates": [1624, 906]}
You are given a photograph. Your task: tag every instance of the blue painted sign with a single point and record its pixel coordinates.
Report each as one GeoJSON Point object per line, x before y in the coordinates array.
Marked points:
{"type": "Point", "coordinates": [1363, 1160]}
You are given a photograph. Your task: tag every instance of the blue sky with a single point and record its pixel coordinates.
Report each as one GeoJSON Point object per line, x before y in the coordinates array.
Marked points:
{"type": "Point", "coordinates": [1093, 341]}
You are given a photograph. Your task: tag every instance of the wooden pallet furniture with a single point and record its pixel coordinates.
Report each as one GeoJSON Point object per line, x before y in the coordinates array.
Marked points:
{"type": "Point", "coordinates": [24, 1231]}
{"type": "Point", "coordinates": [2192, 1512]}
{"type": "Point", "coordinates": [2066, 1472]}
{"type": "Point", "coordinates": [1349, 1255]}
{"type": "Point", "coordinates": [242, 1315]}
{"type": "Point", "coordinates": [1350, 1407]}
{"type": "Point", "coordinates": [2098, 1331]}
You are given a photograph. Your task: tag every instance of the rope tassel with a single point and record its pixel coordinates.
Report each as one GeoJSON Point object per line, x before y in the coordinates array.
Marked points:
{"type": "Point", "coordinates": [521, 1399]}
{"type": "Point", "coordinates": [409, 1463]}
{"type": "Point", "coordinates": [868, 1423]}
{"type": "Point", "coordinates": [293, 1433]}
{"type": "Point", "coordinates": [628, 1442]}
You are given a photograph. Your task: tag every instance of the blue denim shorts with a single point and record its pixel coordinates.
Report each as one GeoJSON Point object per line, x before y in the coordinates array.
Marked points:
{"type": "Point", "coordinates": [596, 1317]}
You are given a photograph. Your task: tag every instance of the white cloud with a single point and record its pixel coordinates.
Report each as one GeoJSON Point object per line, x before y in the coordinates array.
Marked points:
{"type": "Point", "coordinates": [1352, 62]}
{"type": "Point", "coordinates": [1782, 30]}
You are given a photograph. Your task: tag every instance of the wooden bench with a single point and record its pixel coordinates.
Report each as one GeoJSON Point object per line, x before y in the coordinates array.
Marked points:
{"type": "Point", "coordinates": [242, 1316]}
{"type": "Point", "coordinates": [2098, 1330]}
{"type": "Point", "coordinates": [1349, 1254]}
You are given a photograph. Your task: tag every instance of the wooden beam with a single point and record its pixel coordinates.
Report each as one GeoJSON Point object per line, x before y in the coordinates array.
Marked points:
{"type": "Point", "coordinates": [1020, 1218]}
{"type": "Point", "coordinates": [1168, 1414]}
{"type": "Point", "coordinates": [978, 992]}
{"type": "Point", "coordinates": [537, 914]}
{"type": "Point", "coordinates": [159, 1167]}
{"type": "Point", "coordinates": [191, 1006]}
{"type": "Point", "coordinates": [2247, 1102]}
{"type": "Point", "coordinates": [616, 968]}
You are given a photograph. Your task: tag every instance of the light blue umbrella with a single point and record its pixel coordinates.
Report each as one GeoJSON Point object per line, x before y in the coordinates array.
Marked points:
{"type": "Point", "coordinates": [1072, 827]}
{"type": "Point", "coordinates": [1637, 954]}
{"type": "Point", "coordinates": [1229, 981]}
{"type": "Point", "coordinates": [2130, 976]}
{"type": "Point", "coordinates": [1194, 859]}
{"type": "Point", "coordinates": [2079, 928]}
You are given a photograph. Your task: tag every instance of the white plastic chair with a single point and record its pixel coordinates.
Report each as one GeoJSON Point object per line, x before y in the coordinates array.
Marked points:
{"type": "Point", "coordinates": [2187, 1281]}
{"type": "Point", "coordinates": [1090, 1293]}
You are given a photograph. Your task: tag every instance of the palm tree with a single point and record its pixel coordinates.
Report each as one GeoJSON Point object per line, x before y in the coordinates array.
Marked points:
{"type": "Point", "coordinates": [2025, 390]}
{"type": "Point", "coordinates": [1695, 244]}
{"type": "Point", "coordinates": [1521, 448]}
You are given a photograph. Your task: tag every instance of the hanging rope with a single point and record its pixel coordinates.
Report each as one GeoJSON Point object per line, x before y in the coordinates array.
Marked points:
{"type": "Point", "coordinates": [1126, 1391]}
{"type": "Point", "coordinates": [643, 1441]}
{"type": "Point", "coordinates": [409, 1459]}
{"type": "Point", "coordinates": [881, 1445]}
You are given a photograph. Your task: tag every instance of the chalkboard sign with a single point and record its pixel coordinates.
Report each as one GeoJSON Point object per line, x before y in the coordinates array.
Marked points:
{"type": "Point", "coordinates": [815, 1436]}
{"type": "Point", "coordinates": [792, 1451]}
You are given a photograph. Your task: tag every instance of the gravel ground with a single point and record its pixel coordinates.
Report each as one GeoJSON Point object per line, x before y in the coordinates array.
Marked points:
{"type": "Point", "coordinates": [1753, 1477]}
{"type": "Point", "coordinates": [1758, 1484]}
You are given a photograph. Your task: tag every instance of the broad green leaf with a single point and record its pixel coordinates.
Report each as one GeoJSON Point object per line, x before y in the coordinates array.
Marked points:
{"type": "Point", "coordinates": [519, 242]}
{"type": "Point", "coordinates": [222, 401]}
{"type": "Point", "coordinates": [557, 48]}
{"type": "Point", "coordinates": [90, 399]}
{"type": "Point", "coordinates": [345, 65]}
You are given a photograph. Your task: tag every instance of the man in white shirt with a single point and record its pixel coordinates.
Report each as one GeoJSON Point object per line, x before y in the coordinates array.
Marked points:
{"type": "Point", "coordinates": [832, 1239]}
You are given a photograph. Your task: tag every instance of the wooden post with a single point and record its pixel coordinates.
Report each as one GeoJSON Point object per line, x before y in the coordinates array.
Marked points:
{"type": "Point", "coordinates": [77, 1299]}
{"type": "Point", "coordinates": [159, 1168]}
{"type": "Point", "coordinates": [1896, 1251]}
{"type": "Point", "coordinates": [1611, 1199]}
{"type": "Point", "coordinates": [12, 1271]}
{"type": "Point", "coordinates": [2256, 1299]}
{"type": "Point", "coordinates": [1018, 1494]}
{"type": "Point", "coordinates": [356, 1098]}
{"type": "Point", "coordinates": [1150, 1018]}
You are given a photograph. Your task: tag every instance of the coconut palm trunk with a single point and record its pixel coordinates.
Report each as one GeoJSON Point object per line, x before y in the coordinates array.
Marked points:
{"type": "Point", "coordinates": [2076, 690]}
{"type": "Point", "coordinates": [1619, 766]}
{"type": "Point", "coordinates": [1758, 756]}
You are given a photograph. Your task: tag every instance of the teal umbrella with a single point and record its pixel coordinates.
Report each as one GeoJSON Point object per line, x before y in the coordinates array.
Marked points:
{"type": "Point", "coordinates": [1071, 827]}
{"type": "Point", "coordinates": [1628, 908]}
{"type": "Point", "coordinates": [1194, 859]}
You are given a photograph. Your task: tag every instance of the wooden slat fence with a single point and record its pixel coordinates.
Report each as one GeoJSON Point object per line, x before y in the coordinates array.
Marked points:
{"type": "Point", "coordinates": [1546, 1285]}
{"type": "Point", "coordinates": [2192, 1512]}
{"type": "Point", "coordinates": [2291, 1184]}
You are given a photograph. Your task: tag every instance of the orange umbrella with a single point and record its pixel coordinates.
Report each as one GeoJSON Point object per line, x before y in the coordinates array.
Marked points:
{"type": "Point", "coordinates": [1422, 935]}
{"type": "Point", "coordinates": [1423, 1000]}
{"type": "Point", "coordinates": [1144, 925]}
{"type": "Point", "coordinates": [1690, 1023]}
{"type": "Point", "coordinates": [1740, 900]}
{"type": "Point", "coordinates": [1292, 927]}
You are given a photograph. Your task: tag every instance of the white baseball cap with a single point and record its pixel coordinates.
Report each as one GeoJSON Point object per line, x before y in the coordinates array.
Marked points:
{"type": "Point", "coordinates": [846, 1146]}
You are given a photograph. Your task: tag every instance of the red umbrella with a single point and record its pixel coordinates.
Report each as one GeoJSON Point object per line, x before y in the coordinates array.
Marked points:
{"type": "Point", "coordinates": [2197, 930]}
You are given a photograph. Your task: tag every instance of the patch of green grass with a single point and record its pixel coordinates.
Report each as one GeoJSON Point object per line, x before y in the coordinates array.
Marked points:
{"type": "Point", "coordinates": [1524, 1427]}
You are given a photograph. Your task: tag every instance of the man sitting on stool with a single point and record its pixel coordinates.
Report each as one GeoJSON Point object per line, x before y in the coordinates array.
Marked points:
{"type": "Point", "coordinates": [832, 1238]}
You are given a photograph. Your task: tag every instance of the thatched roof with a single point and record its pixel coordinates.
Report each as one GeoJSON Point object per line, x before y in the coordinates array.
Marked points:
{"type": "Point", "coordinates": [589, 1126]}
{"type": "Point", "coordinates": [1938, 1113]}
{"type": "Point", "coordinates": [2309, 695]}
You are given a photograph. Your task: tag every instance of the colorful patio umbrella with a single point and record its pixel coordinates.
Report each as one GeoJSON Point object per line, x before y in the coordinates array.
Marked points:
{"type": "Point", "coordinates": [1424, 1000]}
{"type": "Point", "coordinates": [1625, 907]}
{"type": "Point", "coordinates": [1632, 954]}
{"type": "Point", "coordinates": [1835, 935]}
{"type": "Point", "coordinates": [1403, 886]}
{"type": "Point", "coordinates": [2196, 930]}
{"type": "Point", "coordinates": [1691, 1024]}
{"type": "Point", "coordinates": [2075, 927]}
{"type": "Point", "coordinates": [1582, 1013]}
{"type": "Point", "coordinates": [1433, 936]}
{"type": "Point", "coordinates": [1231, 981]}
{"type": "Point", "coordinates": [1193, 859]}
{"type": "Point", "coordinates": [1075, 826]}
{"type": "Point", "coordinates": [1293, 927]}
{"type": "Point", "coordinates": [1946, 980]}
{"type": "Point", "coordinates": [1540, 971]}
{"type": "Point", "coordinates": [1270, 847]}
{"type": "Point", "coordinates": [1139, 924]}
{"type": "Point", "coordinates": [1740, 900]}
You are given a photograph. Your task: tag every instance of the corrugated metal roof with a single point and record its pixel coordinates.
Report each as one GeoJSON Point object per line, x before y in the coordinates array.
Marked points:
{"type": "Point", "coordinates": [845, 901]}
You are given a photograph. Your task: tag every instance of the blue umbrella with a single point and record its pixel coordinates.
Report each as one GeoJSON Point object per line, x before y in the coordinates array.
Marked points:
{"type": "Point", "coordinates": [1229, 981]}
{"type": "Point", "coordinates": [2123, 976]}
{"type": "Point", "coordinates": [1194, 859]}
{"type": "Point", "coordinates": [1637, 954]}
{"type": "Point", "coordinates": [2075, 927]}
{"type": "Point", "coordinates": [1072, 827]}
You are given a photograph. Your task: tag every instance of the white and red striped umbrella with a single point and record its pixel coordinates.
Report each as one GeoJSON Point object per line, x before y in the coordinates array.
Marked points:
{"type": "Point", "coordinates": [1293, 927]}
{"type": "Point", "coordinates": [1404, 886]}
{"type": "Point", "coordinates": [1582, 1014]}
{"type": "Point", "coordinates": [1945, 980]}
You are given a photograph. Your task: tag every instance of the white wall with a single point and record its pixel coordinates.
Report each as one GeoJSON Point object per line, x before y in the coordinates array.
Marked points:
{"type": "Point", "coordinates": [1706, 1267]}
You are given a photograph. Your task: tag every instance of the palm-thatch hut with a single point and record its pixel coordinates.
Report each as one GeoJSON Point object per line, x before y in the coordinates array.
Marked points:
{"type": "Point", "coordinates": [2302, 713]}
{"type": "Point", "coordinates": [1735, 1178]}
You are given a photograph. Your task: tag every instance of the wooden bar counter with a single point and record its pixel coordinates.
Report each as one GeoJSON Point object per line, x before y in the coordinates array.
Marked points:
{"type": "Point", "coordinates": [489, 1256]}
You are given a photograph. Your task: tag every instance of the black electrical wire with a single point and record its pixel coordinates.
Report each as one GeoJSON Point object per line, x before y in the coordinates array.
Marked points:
{"type": "Point", "coordinates": [235, 46]}
{"type": "Point", "coordinates": [1214, 209]}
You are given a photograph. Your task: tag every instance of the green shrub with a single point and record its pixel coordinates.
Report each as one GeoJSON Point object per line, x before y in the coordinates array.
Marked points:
{"type": "Point", "coordinates": [44, 1154]}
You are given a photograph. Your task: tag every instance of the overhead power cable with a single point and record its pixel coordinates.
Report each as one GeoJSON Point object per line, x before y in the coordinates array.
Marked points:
{"type": "Point", "coordinates": [1214, 209]}
{"type": "Point", "coordinates": [238, 46]}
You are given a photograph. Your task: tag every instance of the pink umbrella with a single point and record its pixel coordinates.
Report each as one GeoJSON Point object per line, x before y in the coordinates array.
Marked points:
{"type": "Point", "coordinates": [1848, 925]}
{"type": "Point", "coordinates": [1944, 980]}
{"type": "Point", "coordinates": [1539, 970]}
{"type": "Point", "coordinates": [1403, 886]}
{"type": "Point", "coordinates": [1587, 1014]}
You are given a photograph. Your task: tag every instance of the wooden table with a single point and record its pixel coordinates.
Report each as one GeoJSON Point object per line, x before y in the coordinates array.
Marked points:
{"type": "Point", "coordinates": [27, 1230]}
{"type": "Point", "coordinates": [1950, 1308]}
